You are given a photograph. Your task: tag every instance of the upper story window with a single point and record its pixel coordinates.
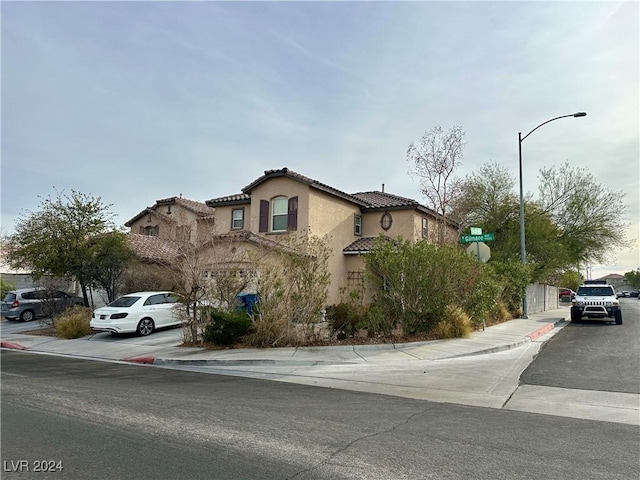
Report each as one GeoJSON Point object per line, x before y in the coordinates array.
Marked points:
{"type": "Point", "coordinates": [279, 215]}
{"type": "Point", "coordinates": [150, 231]}
{"type": "Point", "coordinates": [237, 218]}
{"type": "Point", "coordinates": [279, 212]}
{"type": "Point", "coordinates": [357, 224]}
{"type": "Point", "coordinates": [425, 227]}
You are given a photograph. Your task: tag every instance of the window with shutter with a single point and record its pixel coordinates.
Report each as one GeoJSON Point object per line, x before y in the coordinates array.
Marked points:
{"type": "Point", "coordinates": [264, 216]}
{"type": "Point", "coordinates": [279, 214]}
{"type": "Point", "coordinates": [292, 214]}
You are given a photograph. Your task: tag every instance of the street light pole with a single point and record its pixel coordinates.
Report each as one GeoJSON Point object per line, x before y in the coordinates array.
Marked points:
{"type": "Point", "coordinates": [523, 251]}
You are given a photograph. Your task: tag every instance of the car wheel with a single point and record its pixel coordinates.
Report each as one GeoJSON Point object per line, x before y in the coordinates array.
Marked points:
{"type": "Point", "coordinates": [576, 316]}
{"type": "Point", "coordinates": [145, 326]}
{"type": "Point", "coordinates": [618, 317]}
{"type": "Point", "coordinates": [27, 316]}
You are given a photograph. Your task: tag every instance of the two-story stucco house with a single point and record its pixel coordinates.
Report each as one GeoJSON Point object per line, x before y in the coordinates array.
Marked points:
{"type": "Point", "coordinates": [282, 201]}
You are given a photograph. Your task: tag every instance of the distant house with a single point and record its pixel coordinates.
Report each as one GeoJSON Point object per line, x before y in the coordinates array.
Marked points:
{"type": "Point", "coordinates": [618, 281]}
{"type": "Point", "coordinates": [281, 203]}
{"type": "Point", "coordinates": [174, 218]}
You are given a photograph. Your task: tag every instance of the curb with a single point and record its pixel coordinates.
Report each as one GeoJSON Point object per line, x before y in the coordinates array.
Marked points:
{"type": "Point", "coordinates": [143, 360]}
{"type": "Point", "coordinates": [12, 345]}
{"type": "Point", "coordinates": [546, 329]}
{"type": "Point", "coordinates": [247, 362]}
{"type": "Point", "coordinates": [541, 331]}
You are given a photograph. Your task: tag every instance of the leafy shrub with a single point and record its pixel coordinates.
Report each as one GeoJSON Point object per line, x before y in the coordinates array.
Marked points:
{"type": "Point", "coordinates": [5, 287]}
{"type": "Point", "coordinates": [226, 328]}
{"type": "Point", "coordinates": [377, 321]}
{"type": "Point", "coordinates": [73, 322]}
{"type": "Point", "coordinates": [516, 277]}
{"type": "Point", "coordinates": [414, 282]}
{"type": "Point", "coordinates": [483, 296]}
{"type": "Point", "coordinates": [455, 323]}
{"type": "Point", "coordinates": [345, 318]}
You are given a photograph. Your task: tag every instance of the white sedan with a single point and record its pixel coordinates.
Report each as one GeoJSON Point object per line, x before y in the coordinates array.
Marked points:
{"type": "Point", "coordinates": [140, 312]}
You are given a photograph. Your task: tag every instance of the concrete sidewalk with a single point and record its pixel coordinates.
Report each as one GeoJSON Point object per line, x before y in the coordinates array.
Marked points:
{"type": "Point", "coordinates": [504, 336]}
{"type": "Point", "coordinates": [449, 371]}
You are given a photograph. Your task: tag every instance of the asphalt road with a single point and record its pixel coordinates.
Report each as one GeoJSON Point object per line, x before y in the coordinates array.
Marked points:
{"type": "Point", "coordinates": [115, 421]}
{"type": "Point", "coordinates": [592, 355]}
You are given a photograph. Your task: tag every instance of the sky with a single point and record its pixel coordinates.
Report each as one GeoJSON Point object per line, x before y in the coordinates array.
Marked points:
{"type": "Point", "coordinates": [138, 101]}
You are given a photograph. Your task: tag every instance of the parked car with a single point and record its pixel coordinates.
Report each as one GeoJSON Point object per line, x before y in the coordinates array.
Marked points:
{"type": "Point", "coordinates": [566, 293]}
{"type": "Point", "coordinates": [140, 312]}
{"type": "Point", "coordinates": [28, 303]}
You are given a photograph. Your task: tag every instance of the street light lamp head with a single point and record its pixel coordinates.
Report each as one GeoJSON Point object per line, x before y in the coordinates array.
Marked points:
{"type": "Point", "coordinates": [580, 114]}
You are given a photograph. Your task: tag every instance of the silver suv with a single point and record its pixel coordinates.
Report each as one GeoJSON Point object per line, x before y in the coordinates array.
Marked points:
{"type": "Point", "coordinates": [29, 303]}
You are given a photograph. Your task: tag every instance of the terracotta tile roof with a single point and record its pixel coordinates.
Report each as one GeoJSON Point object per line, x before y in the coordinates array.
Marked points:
{"type": "Point", "coordinates": [362, 245]}
{"type": "Point", "coordinates": [285, 172]}
{"type": "Point", "coordinates": [378, 199]}
{"type": "Point", "coordinates": [230, 200]}
{"type": "Point", "coordinates": [154, 249]}
{"type": "Point", "coordinates": [199, 208]}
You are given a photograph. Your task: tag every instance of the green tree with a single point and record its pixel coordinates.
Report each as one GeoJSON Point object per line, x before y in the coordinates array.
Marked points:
{"type": "Point", "coordinates": [589, 216]}
{"type": "Point", "coordinates": [570, 279]}
{"type": "Point", "coordinates": [5, 287]}
{"type": "Point", "coordinates": [111, 257]}
{"type": "Point", "coordinates": [633, 278]}
{"type": "Point", "coordinates": [573, 221]}
{"type": "Point", "coordinates": [56, 239]}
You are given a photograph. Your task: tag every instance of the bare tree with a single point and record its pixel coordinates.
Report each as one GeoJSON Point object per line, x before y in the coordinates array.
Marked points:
{"type": "Point", "coordinates": [433, 160]}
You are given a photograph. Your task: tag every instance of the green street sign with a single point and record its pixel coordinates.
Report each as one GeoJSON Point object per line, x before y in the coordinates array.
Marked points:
{"type": "Point", "coordinates": [485, 237]}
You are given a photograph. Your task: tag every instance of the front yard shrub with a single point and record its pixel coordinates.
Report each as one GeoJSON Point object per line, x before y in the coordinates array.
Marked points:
{"type": "Point", "coordinates": [499, 313]}
{"type": "Point", "coordinates": [293, 285]}
{"type": "Point", "coordinates": [415, 281]}
{"type": "Point", "coordinates": [73, 322]}
{"type": "Point", "coordinates": [484, 295]}
{"type": "Point", "coordinates": [516, 277]}
{"type": "Point", "coordinates": [345, 319]}
{"type": "Point", "coordinates": [377, 321]}
{"type": "Point", "coordinates": [455, 323]}
{"type": "Point", "coordinates": [226, 328]}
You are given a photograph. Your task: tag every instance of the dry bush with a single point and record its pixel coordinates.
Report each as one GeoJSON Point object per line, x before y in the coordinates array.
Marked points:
{"type": "Point", "coordinates": [500, 313]}
{"type": "Point", "coordinates": [455, 324]}
{"type": "Point", "coordinates": [74, 323]}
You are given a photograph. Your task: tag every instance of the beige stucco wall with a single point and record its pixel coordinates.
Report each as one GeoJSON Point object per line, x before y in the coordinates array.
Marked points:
{"type": "Point", "coordinates": [334, 217]}
{"type": "Point", "coordinates": [275, 187]}
{"type": "Point", "coordinates": [405, 223]}
{"type": "Point", "coordinates": [179, 216]}
{"type": "Point", "coordinates": [223, 217]}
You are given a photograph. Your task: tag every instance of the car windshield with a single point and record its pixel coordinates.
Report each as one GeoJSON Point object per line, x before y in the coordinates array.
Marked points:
{"type": "Point", "coordinates": [124, 302]}
{"type": "Point", "coordinates": [595, 291]}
